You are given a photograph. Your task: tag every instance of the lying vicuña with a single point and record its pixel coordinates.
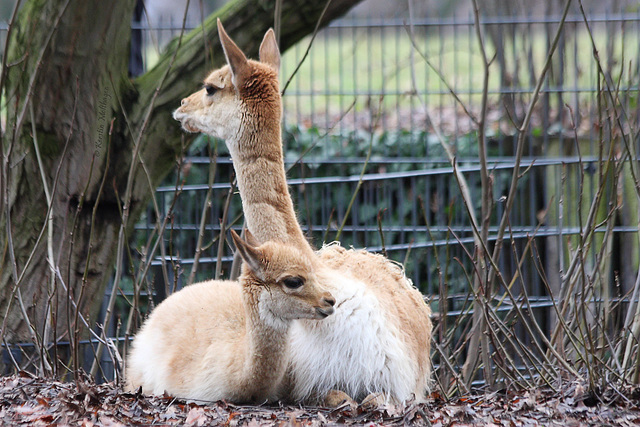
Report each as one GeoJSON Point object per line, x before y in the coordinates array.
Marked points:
{"type": "Point", "coordinates": [230, 340]}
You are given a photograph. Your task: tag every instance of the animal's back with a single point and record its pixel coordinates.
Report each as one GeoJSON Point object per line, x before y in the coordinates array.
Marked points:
{"type": "Point", "coordinates": [187, 344]}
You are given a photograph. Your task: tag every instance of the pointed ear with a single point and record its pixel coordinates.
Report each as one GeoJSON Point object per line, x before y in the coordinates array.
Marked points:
{"type": "Point", "coordinates": [235, 58]}
{"type": "Point", "coordinates": [250, 254]}
{"type": "Point", "coordinates": [269, 52]}
{"type": "Point", "coordinates": [250, 238]}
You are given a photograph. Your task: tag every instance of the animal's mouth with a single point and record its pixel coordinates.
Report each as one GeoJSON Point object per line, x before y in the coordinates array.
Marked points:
{"type": "Point", "coordinates": [324, 312]}
{"type": "Point", "coordinates": [184, 121]}
{"type": "Point", "coordinates": [189, 128]}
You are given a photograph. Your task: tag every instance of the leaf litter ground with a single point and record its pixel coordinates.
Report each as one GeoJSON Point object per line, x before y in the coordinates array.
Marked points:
{"type": "Point", "coordinates": [27, 400]}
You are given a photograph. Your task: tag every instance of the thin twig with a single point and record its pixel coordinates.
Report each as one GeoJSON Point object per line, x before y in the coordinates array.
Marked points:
{"type": "Point", "coordinates": [129, 187]}
{"type": "Point", "coordinates": [362, 172]}
{"type": "Point", "coordinates": [223, 229]}
{"type": "Point", "coordinates": [521, 142]}
{"type": "Point", "coordinates": [206, 207]}
{"type": "Point", "coordinates": [306, 53]}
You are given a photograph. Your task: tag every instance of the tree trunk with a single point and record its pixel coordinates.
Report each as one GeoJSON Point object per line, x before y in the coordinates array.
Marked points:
{"type": "Point", "coordinates": [70, 108]}
{"type": "Point", "coordinates": [73, 76]}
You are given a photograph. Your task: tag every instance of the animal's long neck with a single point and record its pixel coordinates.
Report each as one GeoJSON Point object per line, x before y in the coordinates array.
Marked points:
{"type": "Point", "coordinates": [266, 352]}
{"type": "Point", "coordinates": [259, 165]}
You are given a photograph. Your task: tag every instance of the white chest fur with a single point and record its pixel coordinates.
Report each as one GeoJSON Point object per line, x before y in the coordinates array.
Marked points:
{"type": "Point", "coordinates": [357, 350]}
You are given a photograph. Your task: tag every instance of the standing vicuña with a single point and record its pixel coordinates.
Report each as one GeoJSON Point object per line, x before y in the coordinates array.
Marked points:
{"type": "Point", "coordinates": [379, 338]}
{"type": "Point", "coordinates": [230, 340]}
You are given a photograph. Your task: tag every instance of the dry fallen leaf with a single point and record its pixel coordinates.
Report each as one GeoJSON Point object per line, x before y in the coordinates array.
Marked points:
{"type": "Point", "coordinates": [196, 417]}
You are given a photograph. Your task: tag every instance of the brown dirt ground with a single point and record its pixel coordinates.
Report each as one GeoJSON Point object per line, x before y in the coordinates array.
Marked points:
{"type": "Point", "coordinates": [27, 400]}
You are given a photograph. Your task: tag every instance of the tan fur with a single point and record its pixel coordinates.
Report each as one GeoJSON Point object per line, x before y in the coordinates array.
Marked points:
{"type": "Point", "coordinates": [229, 340]}
{"type": "Point", "coordinates": [245, 110]}
{"type": "Point", "coordinates": [266, 202]}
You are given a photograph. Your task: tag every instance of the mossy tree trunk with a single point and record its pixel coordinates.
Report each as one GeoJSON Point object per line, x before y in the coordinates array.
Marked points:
{"type": "Point", "coordinates": [67, 80]}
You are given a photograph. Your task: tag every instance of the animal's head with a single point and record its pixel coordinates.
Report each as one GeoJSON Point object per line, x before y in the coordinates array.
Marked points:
{"type": "Point", "coordinates": [242, 94]}
{"type": "Point", "coordinates": [282, 280]}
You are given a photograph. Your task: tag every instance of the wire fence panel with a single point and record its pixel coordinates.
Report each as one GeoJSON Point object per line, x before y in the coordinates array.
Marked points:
{"type": "Point", "coordinates": [365, 85]}
{"type": "Point", "coordinates": [372, 111]}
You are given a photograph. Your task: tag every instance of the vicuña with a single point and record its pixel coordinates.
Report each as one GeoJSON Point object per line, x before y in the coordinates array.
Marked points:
{"type": "Point", "coordinates": [378, 341]}
{"type": "Point", "coordinates": [230, 340]}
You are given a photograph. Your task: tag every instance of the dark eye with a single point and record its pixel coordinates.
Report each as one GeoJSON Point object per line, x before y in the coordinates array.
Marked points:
{"type": "Point", "coordinates": [210, 89]}
{"type": "Point", "coordinates": [293, 282]}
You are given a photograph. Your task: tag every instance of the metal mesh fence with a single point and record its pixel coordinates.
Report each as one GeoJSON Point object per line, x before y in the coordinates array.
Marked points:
{"type": "Point", "coordinates": [365, 85]}
{"type": "Point", "coordinates": [369, 113]}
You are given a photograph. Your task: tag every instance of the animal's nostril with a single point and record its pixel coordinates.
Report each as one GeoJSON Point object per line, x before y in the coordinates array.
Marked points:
{"type": "Point", "coordinates": [330, 300]}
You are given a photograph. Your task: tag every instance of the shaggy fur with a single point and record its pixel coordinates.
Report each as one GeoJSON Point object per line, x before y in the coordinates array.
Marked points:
{"type": "Point", "coordinates": [385, 332]}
